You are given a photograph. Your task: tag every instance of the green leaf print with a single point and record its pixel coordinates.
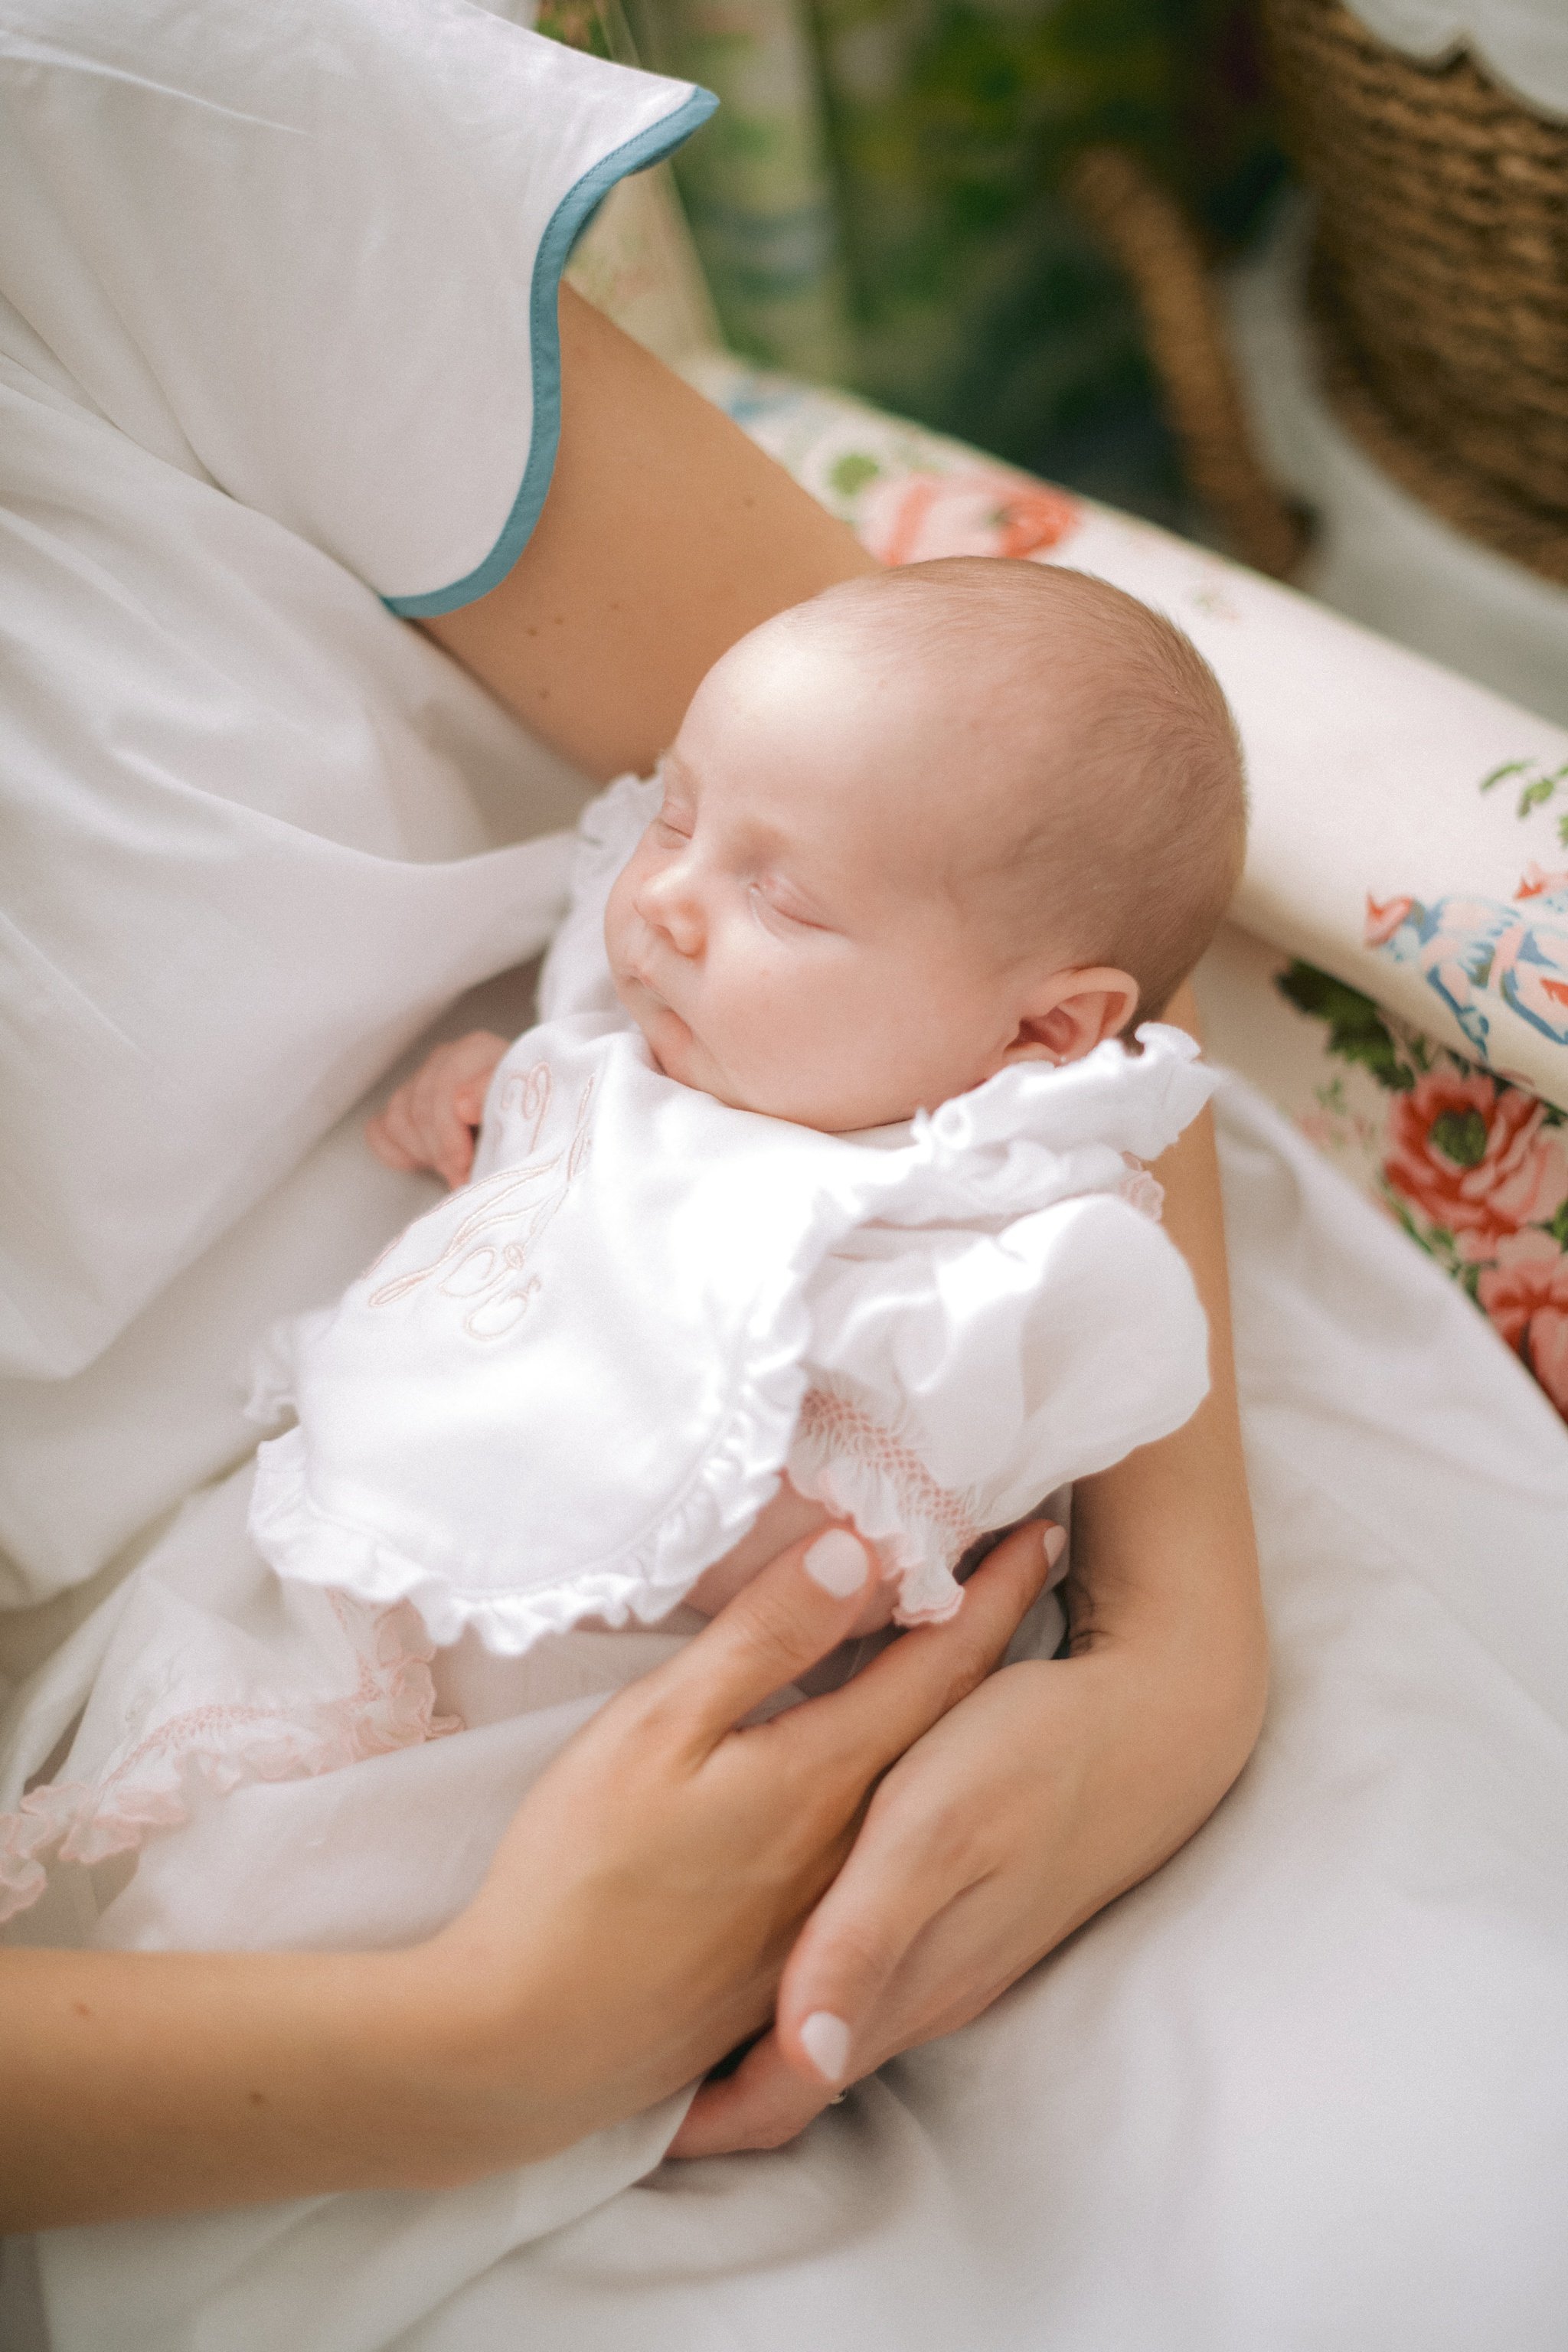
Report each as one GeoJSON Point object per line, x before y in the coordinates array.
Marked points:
{"type": "Point", "coordinates": [1460, 1136]}
{"type": "Point", "coordinates": [1357, 1030]}
{"type": "Point", "coordinates": [850, 473]}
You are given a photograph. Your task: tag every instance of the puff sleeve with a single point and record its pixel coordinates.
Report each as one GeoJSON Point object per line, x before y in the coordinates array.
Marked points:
{"type": "Point", "coordinates": [955, 1378]}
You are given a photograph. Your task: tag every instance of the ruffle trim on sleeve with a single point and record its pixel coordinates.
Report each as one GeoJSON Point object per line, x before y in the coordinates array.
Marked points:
{"type": "Point", "coordinates": [736, 1477]}
{"type": "Point", "coordinates": [862, 1470]}
{"type": "Point", "coordinates": [152, 1785]}
{"type": "Point", "coordinates": [1034, 1134]}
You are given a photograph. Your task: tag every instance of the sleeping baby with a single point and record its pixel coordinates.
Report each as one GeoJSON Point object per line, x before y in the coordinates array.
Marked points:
{"type": "Point", "coordinates": [818, 1192]}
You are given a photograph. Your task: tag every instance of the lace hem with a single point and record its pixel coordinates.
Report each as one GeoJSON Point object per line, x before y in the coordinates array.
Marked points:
{"type": "Point", "coordinates": [865, 1473]}
{"type": "Point", "coordinates": [391, 1706]}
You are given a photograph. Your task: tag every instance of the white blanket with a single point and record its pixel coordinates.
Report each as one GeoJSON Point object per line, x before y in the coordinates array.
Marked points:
{"type": "Point", "coordinates": [1306, 2088]}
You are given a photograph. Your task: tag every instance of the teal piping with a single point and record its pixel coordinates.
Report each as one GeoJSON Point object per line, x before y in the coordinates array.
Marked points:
{"type": "Point", "coordinates": [567, 222]}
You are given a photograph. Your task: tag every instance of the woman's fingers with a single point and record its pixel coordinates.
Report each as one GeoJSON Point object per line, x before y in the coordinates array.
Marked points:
{"type": "Point", "coordinates": [801, 1606]}
{"type": "Point", "coordinates": [764, 2104]}
{"type": "Point", "coordinates": [848, 1953]}
{"type": "Point", "coordinates": [886, 1709]}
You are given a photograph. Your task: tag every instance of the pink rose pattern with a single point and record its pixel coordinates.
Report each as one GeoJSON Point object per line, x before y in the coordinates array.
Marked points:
{"type": "Point", "coordinates": [1476, 1170]}
{"type": "Point", "coordinates": [1475, 1157]}
{"type": "Point", "coordinates": [1525, 1292]}
{"type": "Point", "coordinates": [914, 517]}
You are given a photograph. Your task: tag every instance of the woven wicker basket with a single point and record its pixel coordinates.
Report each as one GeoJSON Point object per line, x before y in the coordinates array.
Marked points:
{"type": "Point", "coordinates": [1441, 284]}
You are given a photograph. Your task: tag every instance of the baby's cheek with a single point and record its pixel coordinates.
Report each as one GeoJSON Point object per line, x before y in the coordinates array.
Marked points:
{"type": "Point", "coordinates": [616, 909]}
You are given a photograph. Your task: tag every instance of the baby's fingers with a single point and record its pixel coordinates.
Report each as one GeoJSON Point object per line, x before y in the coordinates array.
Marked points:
{"type": "Point", "coordinates": [468, 1100]}
{"type": "Point", "coordinates": [450, 1101]}
{"type": "Point", "coordinates": [396, 1137]}
{"type": "Point", "coordinates": [378, 1134]}
{"type": "Point", "coordinates": [451, 1143]}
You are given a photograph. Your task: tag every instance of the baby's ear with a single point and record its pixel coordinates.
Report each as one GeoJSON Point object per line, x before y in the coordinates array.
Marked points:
{"type": "Point", "coordinates": [1074, 1012]}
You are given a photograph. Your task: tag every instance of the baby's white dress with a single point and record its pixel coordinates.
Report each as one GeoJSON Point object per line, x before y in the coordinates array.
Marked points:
{"type": "Point", "coordinates": [571, 1387]}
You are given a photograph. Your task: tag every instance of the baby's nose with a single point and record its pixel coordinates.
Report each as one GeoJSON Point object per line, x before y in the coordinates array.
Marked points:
{"type": "Point", "coordinates": [668, 903]}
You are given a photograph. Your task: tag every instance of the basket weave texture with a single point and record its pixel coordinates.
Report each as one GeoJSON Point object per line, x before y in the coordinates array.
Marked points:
{"type": "Point", "coordinates": [1440, 282]}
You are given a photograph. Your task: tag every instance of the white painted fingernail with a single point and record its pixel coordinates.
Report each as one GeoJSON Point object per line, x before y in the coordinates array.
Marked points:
{"type": "Point", "coordinates": [825, 2041]}
{"type": "Point", "coordinates": [837, 1562]}
{"type": "Point", "coordinates": [1054, 1544]}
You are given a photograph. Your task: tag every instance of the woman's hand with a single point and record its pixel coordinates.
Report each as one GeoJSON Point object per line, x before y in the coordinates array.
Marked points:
{"type": "Point", "coordinates": [988, 1842]}
{"type": "Point", "coordinates": [1053, 1787]}
{"type": "Point", "coordinates": [640, 1909]}
{"type": "Point", "coordinates": [632, 1928]}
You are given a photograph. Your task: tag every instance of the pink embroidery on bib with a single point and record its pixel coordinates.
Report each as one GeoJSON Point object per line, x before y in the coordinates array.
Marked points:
{"type": "Point", "coordinates": [526, 1095]}
{"type": "Point", "coordinates": [476, 1263]}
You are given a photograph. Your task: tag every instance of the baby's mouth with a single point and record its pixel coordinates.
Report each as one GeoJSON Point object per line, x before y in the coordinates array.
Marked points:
{"type": "Point", "coordinates": [645, 1003]}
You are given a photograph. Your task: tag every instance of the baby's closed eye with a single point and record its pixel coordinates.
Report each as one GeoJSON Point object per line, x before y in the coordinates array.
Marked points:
{"type": "Point", "coordinates": [777, 913]}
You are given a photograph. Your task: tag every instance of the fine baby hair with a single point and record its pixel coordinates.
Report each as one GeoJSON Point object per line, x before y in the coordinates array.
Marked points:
{"type": "Point", "coordinates": [1100, 752]}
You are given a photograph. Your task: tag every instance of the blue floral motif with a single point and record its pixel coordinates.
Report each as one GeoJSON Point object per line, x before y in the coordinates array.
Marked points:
{"type": "Point", "coordinates": [1476, 952]}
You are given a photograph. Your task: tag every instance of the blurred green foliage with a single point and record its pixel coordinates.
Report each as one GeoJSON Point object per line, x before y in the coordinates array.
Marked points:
{"type": "Point", "coordinates": [880, 201]}
{"type": "Point", "coordinates": [980, 303]}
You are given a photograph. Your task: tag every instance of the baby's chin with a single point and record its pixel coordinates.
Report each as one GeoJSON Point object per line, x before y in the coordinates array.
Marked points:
{"type": "Point", "coordinates": [678, 1052]}
{"type": "Point", "coordinates": [670, 1044]}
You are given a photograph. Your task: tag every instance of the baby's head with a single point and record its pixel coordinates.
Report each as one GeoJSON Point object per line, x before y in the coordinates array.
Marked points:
{"type": "Point", "coordinates": [933, 821]}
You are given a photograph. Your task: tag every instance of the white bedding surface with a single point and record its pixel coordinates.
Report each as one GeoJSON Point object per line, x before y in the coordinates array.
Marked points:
{"type": "Point", "coordinates": [1309, 2087]}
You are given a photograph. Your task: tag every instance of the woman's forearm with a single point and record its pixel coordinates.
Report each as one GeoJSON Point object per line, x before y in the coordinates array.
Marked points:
{"type": "Point", "coordinates": [666, 536]}
{"type": "Point", "coordinates": [1165, 1561]}
{"type": "Point", "coordinates": [143, 2082]}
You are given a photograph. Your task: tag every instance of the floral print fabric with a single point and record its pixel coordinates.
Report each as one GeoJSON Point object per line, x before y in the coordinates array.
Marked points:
{"type": "Point", "coordinates": [1475, 1169]}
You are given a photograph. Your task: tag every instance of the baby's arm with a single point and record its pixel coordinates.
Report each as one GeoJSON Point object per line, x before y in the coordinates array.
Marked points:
{"type": "Point", "coordinates": [432, 1121]}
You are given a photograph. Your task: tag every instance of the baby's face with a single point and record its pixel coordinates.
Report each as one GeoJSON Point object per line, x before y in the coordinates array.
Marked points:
{"type": "Point", "coordinates": [793, 934]}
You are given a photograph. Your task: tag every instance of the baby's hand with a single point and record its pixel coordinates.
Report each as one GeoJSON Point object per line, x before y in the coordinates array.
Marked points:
{"type": "Point", "coordinates": [431, 1122]}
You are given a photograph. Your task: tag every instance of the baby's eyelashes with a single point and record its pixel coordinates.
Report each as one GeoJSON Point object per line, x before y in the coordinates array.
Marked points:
{"type": "Point", "coordinates": [778, 917]}
{"type": "Point", "coordinates": [783, 911]}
